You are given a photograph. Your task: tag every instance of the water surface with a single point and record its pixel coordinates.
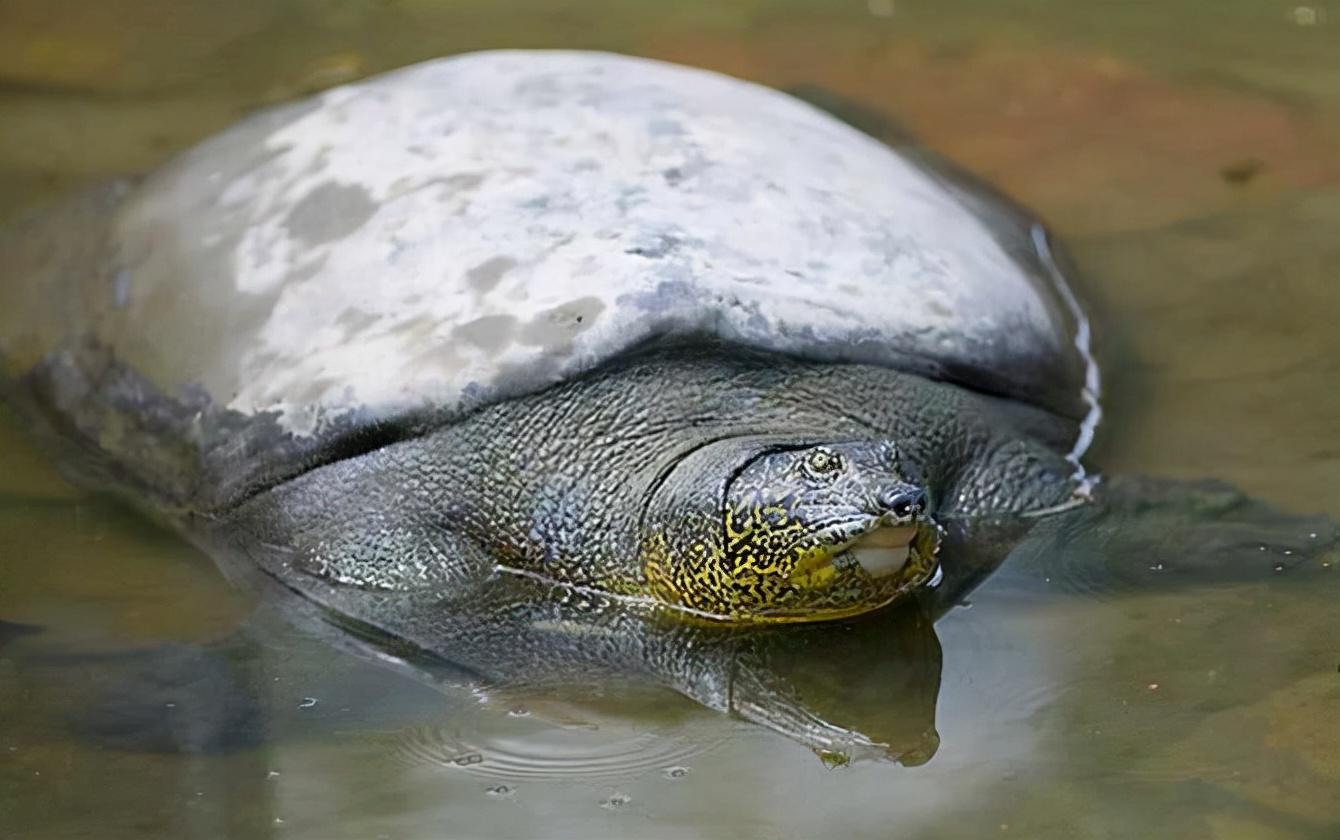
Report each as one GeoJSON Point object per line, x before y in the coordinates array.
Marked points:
{"type": "Point", "coordinates": [1186, 154]}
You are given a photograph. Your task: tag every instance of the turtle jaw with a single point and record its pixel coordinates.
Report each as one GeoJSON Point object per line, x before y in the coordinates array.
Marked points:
{"type": "Point", "coordinates": [870, 569]}
{"type": "Point", "coordinates": [884, 551]}
{"type": "Point", "coordinates": [880, 545]}
{"type": "Point", "coordinates": [892, 541]}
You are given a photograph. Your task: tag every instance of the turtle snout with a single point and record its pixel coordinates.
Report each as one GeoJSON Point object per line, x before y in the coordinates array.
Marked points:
{"type": "Point", "coordinates": [905, 501]}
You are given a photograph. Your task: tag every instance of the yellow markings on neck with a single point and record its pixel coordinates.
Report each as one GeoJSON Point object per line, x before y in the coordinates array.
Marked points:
{"type": "Point", "coordinates": [760, 575]}
{"type": "Point", "coordinates": [697, 582]}
{"type": "Point", "coordinates": [753, 571]}
{"type": "Point", "coordinates": [814, 569]}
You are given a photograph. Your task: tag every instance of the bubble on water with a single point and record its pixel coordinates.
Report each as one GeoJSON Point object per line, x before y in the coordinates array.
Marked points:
{"type": "Point", "coordinates": [880, 8]}
{"type": "Point", "coordinates": [1306, 15]}
{"type": "Point", "coordinates": [616, 801]}
{"type": "Point", "coordinates": [676, 772]}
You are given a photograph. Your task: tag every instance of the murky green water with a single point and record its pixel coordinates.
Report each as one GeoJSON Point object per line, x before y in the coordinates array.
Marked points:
{"type": "Point", "coordinates": [1187, 154]}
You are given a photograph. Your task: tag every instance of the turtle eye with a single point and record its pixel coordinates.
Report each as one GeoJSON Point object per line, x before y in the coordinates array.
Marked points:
{"type": "Point", "coordinates": [822, 464]}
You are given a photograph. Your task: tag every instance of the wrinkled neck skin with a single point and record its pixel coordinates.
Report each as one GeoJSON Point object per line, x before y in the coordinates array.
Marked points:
{"type": "Point", "coordinates": [556, 485]}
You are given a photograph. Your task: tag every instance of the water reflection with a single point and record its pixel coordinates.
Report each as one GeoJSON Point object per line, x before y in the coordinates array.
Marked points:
{"type": "Point", "coordinates": [859, 689]}
{"type": "Point", "coordinates": [517, 650]}
{"type": "Point", "coordinates": [219, 736]}
{"type": "Point", "coordinates": [1077, 648]}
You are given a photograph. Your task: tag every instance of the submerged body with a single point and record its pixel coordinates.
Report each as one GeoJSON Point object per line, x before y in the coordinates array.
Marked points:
{"type": "Point", "coordinates": [588, 470]}
{"type": "Point", "coordinates": [623, 326]}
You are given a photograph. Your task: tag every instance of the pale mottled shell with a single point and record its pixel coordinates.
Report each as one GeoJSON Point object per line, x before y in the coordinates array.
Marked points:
{"type": "Point", "coordinates": [481, 226]}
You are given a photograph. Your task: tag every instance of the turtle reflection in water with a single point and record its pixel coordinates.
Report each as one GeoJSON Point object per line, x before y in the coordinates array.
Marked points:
{"type": "Point", "coordinates": [464, 351]}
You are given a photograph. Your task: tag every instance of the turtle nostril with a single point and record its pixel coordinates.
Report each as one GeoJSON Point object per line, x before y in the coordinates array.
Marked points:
{"type": "Point", "coordinates": [905, 502]}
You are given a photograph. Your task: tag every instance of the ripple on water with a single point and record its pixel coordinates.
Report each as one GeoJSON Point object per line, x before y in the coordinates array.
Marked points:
{"type": "Point", "coordinates": [530, 748]}
{"type": "Point", "coordinates": [1151, 534]}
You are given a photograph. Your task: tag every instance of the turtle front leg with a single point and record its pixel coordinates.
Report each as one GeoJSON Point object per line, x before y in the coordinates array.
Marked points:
{"type": "Point", "coordinates": [351, 525]}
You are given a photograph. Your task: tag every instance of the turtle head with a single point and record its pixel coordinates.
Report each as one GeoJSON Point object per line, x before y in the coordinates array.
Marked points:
{"type": "Point", "coordinates": [757, 530]}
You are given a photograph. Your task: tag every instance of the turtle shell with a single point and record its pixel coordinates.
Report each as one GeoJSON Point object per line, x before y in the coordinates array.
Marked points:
{"type": "Point", "coordinates": [482, 226]}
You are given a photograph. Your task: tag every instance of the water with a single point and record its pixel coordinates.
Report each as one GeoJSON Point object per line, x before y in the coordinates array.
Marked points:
{"type": "Point", "coordinates": [1184, 153]}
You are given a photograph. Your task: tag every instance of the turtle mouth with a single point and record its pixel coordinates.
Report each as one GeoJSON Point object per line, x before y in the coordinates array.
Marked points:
{"type": "Point", "coordinates": [887, 551]}
{"type": "Point", "coordinates": [884, 551]}
{"type": "Point", "coordinates": [869, 569]}
{"type": "Point", "coordinates": [881, 546]}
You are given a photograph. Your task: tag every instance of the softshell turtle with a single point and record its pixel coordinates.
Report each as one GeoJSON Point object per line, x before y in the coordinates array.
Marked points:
{"type": "Point", "coordinates": [624, 330]}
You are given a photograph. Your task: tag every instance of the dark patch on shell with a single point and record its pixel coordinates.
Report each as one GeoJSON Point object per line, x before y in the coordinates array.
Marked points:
{"type": "Point", "coordinates": [490, 333]}
{"type": "Point", "coordinates": [655, 248]}
{"type": "Point", "coordinates": [485, 276]}
{"type": "Point", "coordinates": [329, 212]}
{"type": "Point", "coordinates": [556, 327]}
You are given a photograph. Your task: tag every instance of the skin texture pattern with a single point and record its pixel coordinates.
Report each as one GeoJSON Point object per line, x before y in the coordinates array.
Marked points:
{"type": "Point", "coordinates": [715, 483]}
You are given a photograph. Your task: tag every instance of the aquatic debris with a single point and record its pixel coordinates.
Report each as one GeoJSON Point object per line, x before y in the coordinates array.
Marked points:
{"type": "Point", "coordinates": [1241, 172]}
{"type": "Point", "coordinates": [833, 758]}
